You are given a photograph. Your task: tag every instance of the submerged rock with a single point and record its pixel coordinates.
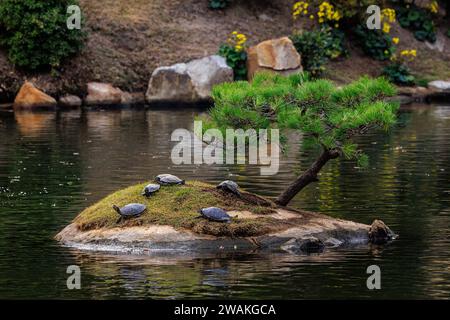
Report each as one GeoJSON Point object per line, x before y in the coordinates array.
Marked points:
{"type": "Point", "coordinates": [304, 245]}
{"type": "Point", "coordinates": [277, 55]}
{"type": "Point", "coordinates": [188, 82]}
{"type": "Point", "coordinates": [30, 97]}
{"type": "Point", "coordinates": [380, 233]}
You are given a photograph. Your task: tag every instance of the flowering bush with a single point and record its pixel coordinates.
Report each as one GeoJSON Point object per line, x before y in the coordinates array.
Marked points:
{"type": "Point", "coordinates": [387, 18]}
{"type": "Point", "coordinates": [317, 47]}
{"type": "Point", "coordinates": [324, 13]}
{"type": "Point", "coordinates": [398, 71]}
{"type": "Point", "coordinates": [419, 20]}
{"type": "Point", "coordinates": [321, 43]}
{"type": "Point", "coordinates": [375, 43]}
{"type": "Point", "coordinates": [234, 51]}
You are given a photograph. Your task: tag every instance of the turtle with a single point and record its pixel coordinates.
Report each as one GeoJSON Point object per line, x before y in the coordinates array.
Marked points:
{"type": "Point", "coordinates": [130, 210]}
{"type": "Point", "coordinates": [215, 214]}
{"type": "Point", "coordinates": [229, 186]}
{"type": "Point", "coordinates": [168, 179]}
{"type": "Point", "coordinates": [150, 189]}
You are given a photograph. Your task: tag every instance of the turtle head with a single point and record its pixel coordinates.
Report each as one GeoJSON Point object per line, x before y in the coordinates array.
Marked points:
{"type": "Point", "coordinates": [117, 209]}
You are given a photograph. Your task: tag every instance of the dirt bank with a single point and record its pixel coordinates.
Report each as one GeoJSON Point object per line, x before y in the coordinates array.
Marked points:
{"type": "Point", "coordinates": [129, 39]}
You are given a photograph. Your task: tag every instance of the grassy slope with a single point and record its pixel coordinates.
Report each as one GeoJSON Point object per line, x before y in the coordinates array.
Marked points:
{"type": "Point", "coordinates": [178, 206]}
{"type": "Point", "coordinates": [129, 39]}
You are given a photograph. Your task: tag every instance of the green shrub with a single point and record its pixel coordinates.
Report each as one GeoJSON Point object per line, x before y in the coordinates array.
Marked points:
{"type": "Point", "coordinates": [375, 43]}
{"type": "Point", "coordinates": [218, 4]}
{"type": "Point", "coordinates": [399, 73]}
{"type": "Point", "coordinates": [35, 32]}
{"type": "Point", "coordinates": [418, 20]}
{"type": "Point", "coordinates": [448, 33]}
{"type": "Point", "coordinates": [317, 47]}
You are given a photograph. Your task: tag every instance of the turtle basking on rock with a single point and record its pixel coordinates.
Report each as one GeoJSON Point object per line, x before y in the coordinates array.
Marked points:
{"type": "Point", "coordinates": [130, 210]}
{"type": "Point", "coordinates": [229, 186]}
{"type": "Point", "coordinates": [168, 180]}
{"type": "Point", "coordinates": [150, 189]}
{"type": "Point", "coordinates": [215, 214]}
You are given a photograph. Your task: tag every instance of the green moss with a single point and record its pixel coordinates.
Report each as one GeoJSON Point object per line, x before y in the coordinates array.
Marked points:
{"type": "Point", "coordinates": [178, 206]}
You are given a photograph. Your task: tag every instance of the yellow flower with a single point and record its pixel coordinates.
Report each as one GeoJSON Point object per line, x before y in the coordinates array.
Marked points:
{"type": "Point", "coordinates": [433, 7]}
{"type": "Point", "coordinates": [311, 17]}
{"type": "Point", "coordinates": [386, 27]}
{"type": "Point", "coordinates": [395, 40]}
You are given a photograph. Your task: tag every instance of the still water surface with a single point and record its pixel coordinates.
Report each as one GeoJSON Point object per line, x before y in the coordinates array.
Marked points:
{"type": "Point", "coordinates": [52, 165]}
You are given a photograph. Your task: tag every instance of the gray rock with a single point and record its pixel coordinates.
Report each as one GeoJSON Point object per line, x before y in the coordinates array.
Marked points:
{"type": "Point", "coordinates": [304, 245]}
{"type": "Point", "coordinates": [439, 85]}
{"type": "Point", "coordinates": [379, 233]}
{"type": "Point", "coordinates": [333, 242]}
{"type": "Point", "coordinates": [70, 101]}
{"type": "Point", "coordinates": [188, 82]}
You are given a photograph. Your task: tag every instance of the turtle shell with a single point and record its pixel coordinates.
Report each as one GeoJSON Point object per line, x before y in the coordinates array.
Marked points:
{"type": "Point", "coordinates": [229, 186]}
{"type": "Point", "coordinates": [132, 210]}
{"type": "Point", "coordinates": [150, 189]}
{"type": "Point", "coordinates": [168, 179]}
{"type": "Point", "coordinates": [215, 214]}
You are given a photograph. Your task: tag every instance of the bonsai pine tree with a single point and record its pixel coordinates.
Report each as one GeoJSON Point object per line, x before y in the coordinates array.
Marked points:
{"type": "Point", "coordinates": [328, 117]}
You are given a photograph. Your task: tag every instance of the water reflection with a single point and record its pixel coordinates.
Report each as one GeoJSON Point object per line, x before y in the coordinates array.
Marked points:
{"type": "Point", "coordinates": [52, 165]}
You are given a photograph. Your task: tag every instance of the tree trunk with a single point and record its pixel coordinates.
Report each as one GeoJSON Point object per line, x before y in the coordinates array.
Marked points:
{"type": "Point", "coordinates": [306, 178]}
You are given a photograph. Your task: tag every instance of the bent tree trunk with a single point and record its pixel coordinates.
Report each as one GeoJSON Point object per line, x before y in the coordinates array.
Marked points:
{"type": "Point", "coordinates": [310, 175]}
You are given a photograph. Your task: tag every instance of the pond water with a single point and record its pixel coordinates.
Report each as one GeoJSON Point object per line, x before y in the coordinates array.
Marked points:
{"type": "Point", "coordinates": [52, 165]}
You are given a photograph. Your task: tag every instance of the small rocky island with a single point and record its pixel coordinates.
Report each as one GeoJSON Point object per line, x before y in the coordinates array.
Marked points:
{"type": "Point", "coordinates": [172, 222]}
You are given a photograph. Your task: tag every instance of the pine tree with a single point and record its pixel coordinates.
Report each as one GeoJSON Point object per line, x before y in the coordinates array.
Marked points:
{"type": "Point", "coordinates": [328, 117]}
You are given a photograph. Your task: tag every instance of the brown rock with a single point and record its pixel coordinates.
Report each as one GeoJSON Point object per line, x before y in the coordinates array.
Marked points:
{"type": "Point", "coordinates": [277, 55]}
{"type": "Point", "coordinates": [380, 233]}
{"type": "Point", "coordinates": [133, 98]}
{"type": "Point", "coordinates": [30, 97]}
{"type": "Point", "coordinates": [103, 94]}
{"type": "Point", "coordinates": [70, 101]}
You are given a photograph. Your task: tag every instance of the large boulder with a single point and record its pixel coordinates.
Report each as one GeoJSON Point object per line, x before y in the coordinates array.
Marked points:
{"type": "Point", "coordinates": [188, 82]}
{"type": "Point", "coordinates": [440, 85]}
{"type": "Point", "coordinates": [30, 97]}
{"type": "Point", "coordinates": [103, 94]}
{"type": "Point", "coordinates": [276, 55]}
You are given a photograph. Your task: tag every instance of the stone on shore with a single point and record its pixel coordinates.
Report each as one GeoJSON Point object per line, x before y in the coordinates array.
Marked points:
{"type": "Point", "coordinates": [188, 82]}
{"type": "Point", "coordinates": [70, 101]}
{"type": "Point", "coordinates": [31, 97]}
{"type": "Point", "coordinates": [276, 55]}
{"type": "Point", "coordinates": [103, 94]}
{"type": "Point", "coordinates": [440, 85]}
